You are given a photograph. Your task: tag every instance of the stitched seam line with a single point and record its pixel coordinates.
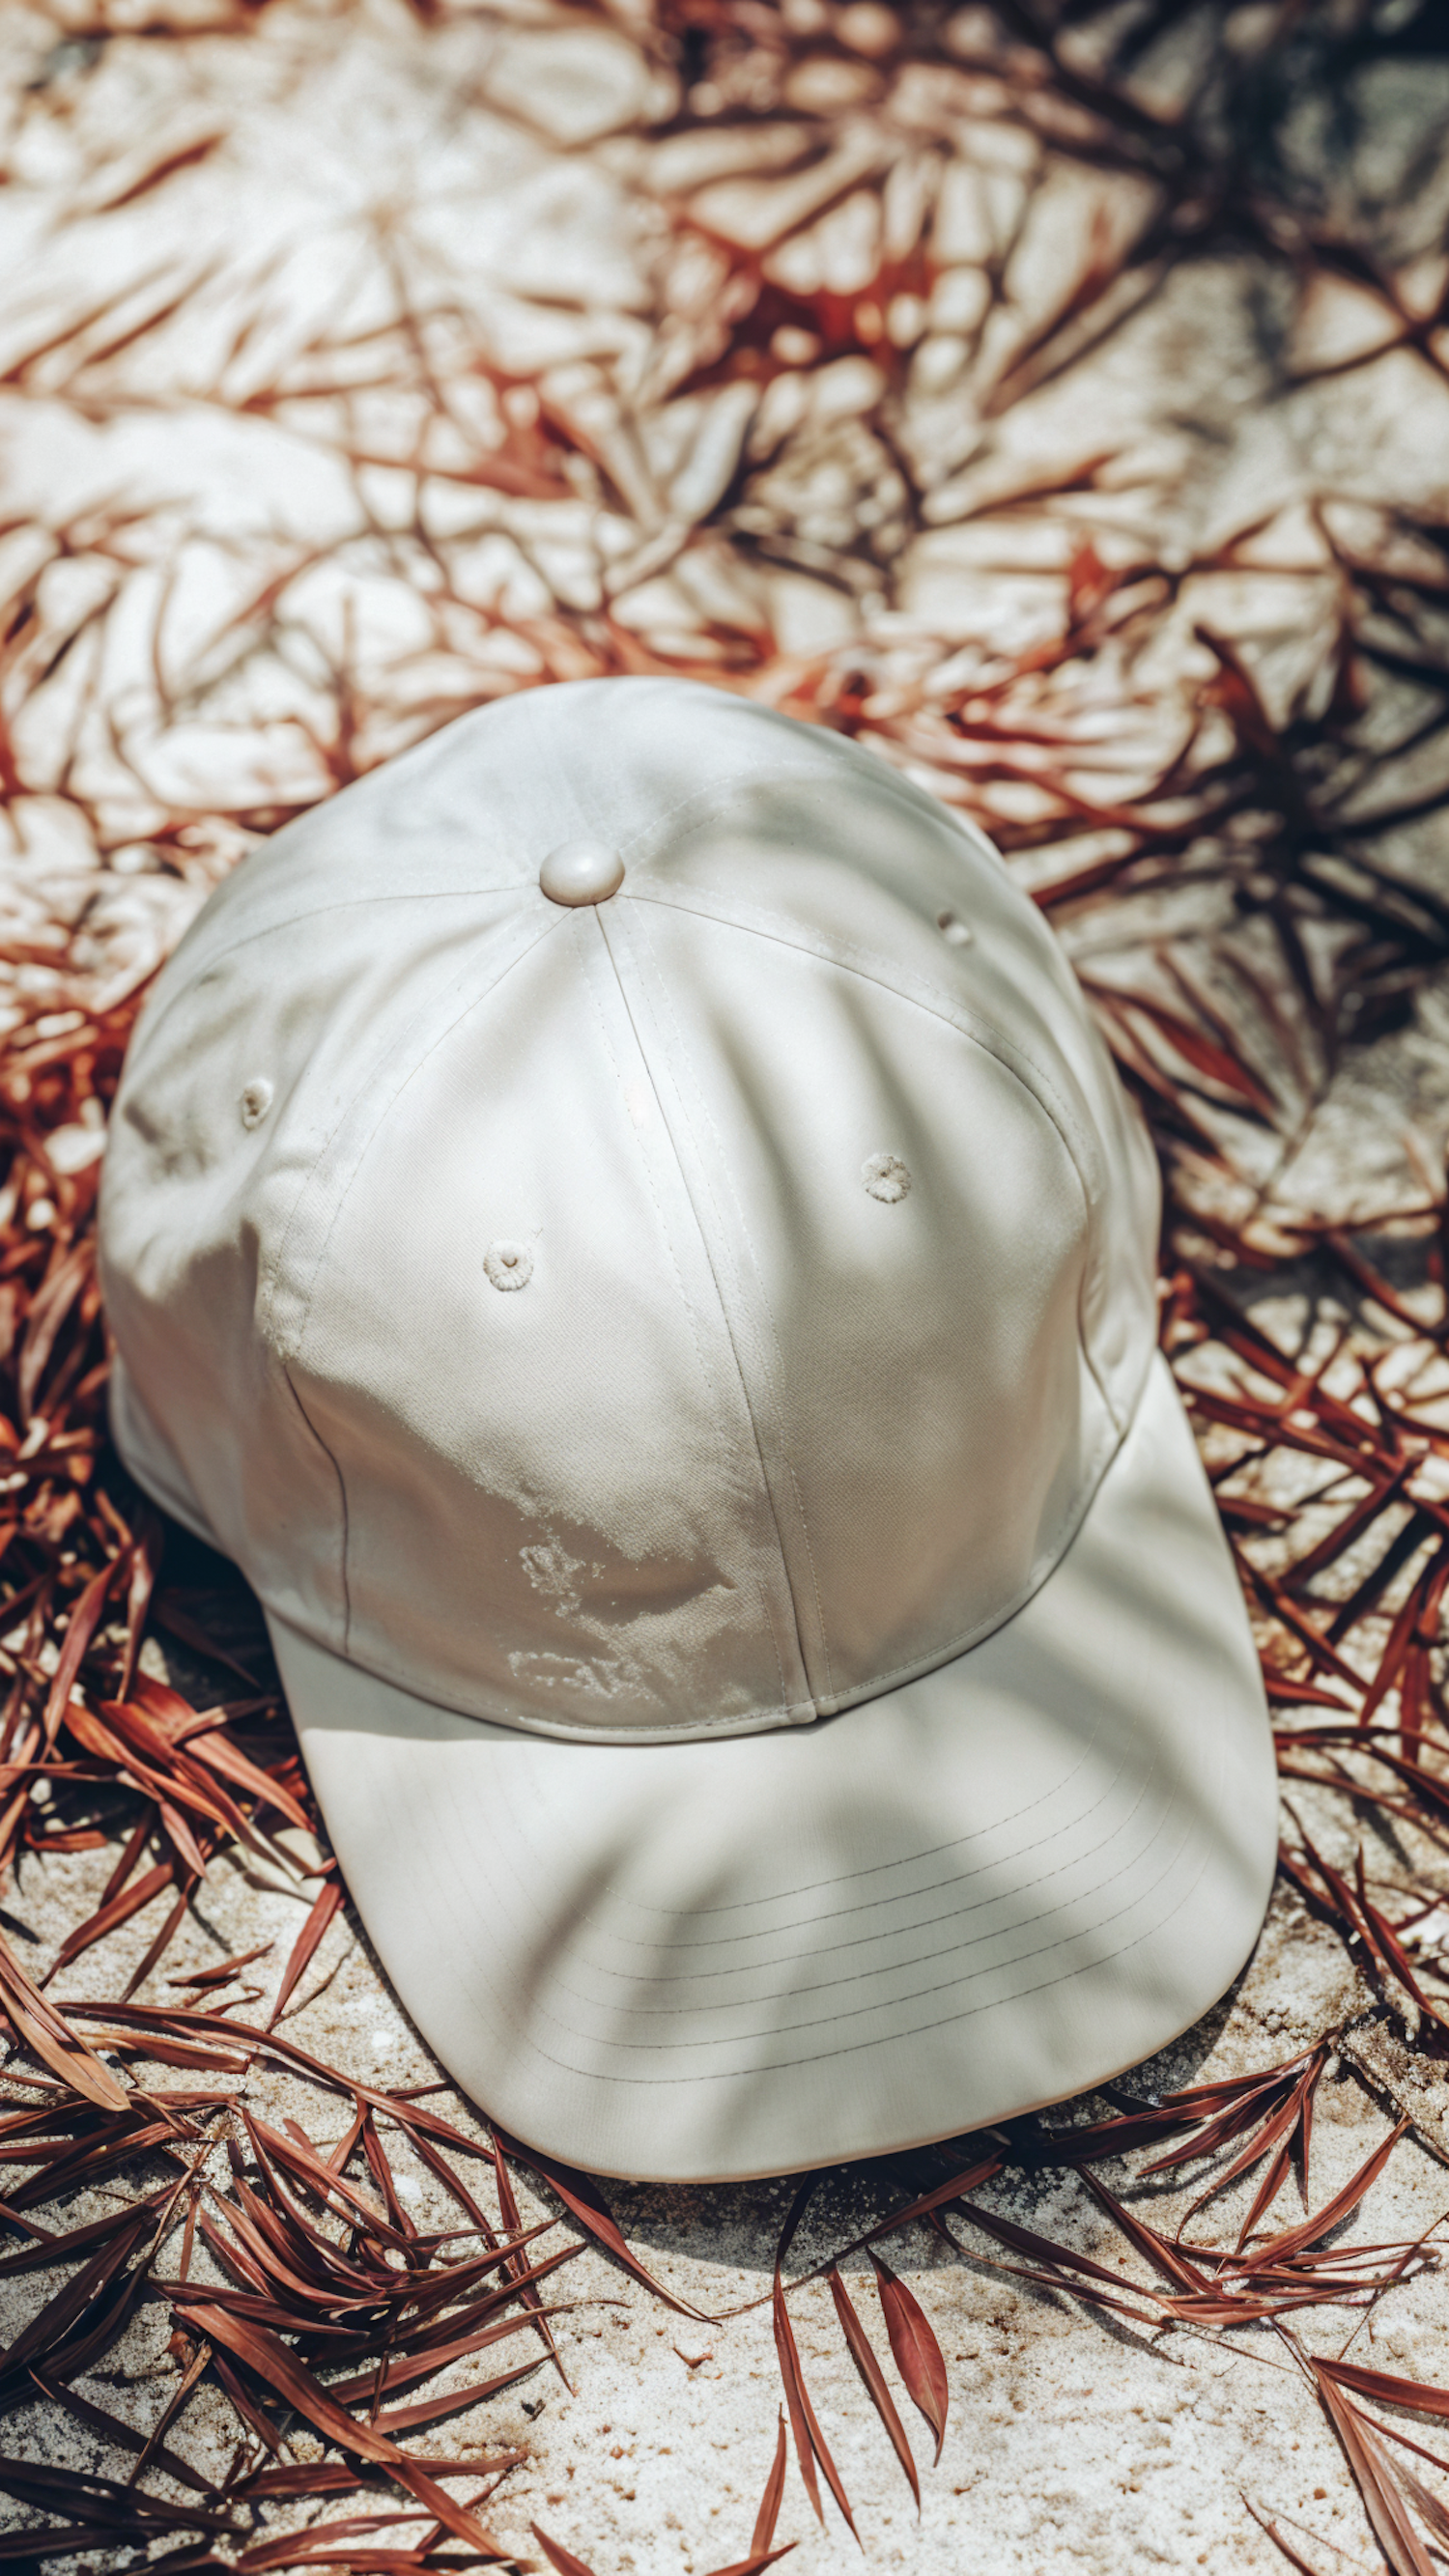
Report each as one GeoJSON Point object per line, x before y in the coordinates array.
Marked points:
{"type": "Point", "coordinates": [859, 961]}
{"type": "Point", "coordinates": [785, 1699]}
{"type": "Point", "coordinates": [744, 1380]}
{"type": "Point", "coordinates": [956, 1943]}
{"type": "Point", "coordinates": [694, 1334]}
{"type": "Point", "coordinates": [1029, 1842]}
{"type": "Point", "coordinates": [856, 2047]}
{"type": "Point", "coordinates": [330, 1456]}
{"type": "Point", "coordinates": [817, 1956]}
{"type": "Point", "coordinates": [685, 1062]}
{"type": "Point", "coordinates": [704, 1369]}
{"type": "Point", "coordinates": [202, 966]}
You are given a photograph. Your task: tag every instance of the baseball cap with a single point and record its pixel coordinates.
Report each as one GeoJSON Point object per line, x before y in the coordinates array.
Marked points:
{"type": "Point", "coordinates": [622, 1226]}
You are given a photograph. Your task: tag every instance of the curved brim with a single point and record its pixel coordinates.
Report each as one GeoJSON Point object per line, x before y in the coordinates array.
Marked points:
{"type": "Point", "coordinates": [985, 1891]}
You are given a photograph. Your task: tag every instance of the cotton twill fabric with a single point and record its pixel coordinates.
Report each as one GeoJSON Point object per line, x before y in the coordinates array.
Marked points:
{"type": "Point", "coordinates": [972, 1895]}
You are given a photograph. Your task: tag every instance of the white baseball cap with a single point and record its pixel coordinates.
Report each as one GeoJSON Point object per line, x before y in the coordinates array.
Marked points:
{"type": "Point", "coordinates": [622, 1226]}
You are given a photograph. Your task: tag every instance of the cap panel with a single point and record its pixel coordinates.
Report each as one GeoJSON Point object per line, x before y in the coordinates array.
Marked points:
{"type": "Point", "coordinates": [780, 848]}
{"type": "Point", "coordinates": [247, 1059]}
{"type": "Point", "coordinates": [899, 1236]}
{"type": "Point", "coordinates": [555, 1513]}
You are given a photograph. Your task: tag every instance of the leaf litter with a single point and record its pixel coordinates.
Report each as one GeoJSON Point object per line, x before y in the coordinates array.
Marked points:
{"type": "Point", "coordinates": [323, 2304]}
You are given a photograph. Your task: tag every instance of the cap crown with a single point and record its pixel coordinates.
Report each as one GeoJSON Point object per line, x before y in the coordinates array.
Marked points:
{"type": "Point", "coordinates": [688, 1312]}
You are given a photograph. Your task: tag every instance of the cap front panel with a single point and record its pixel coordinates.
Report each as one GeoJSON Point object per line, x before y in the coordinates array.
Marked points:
{"type": "Point", "coordinates": [900, 1234]}
{"type": "Point", "coordinates": [510, 1342]}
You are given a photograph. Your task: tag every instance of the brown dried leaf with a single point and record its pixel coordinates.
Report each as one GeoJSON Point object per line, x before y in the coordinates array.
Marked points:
{"type": "Point", "coordinates": [918, 2355]}
{"type": "Point", "coordinates": [40, 2029]}
{"type": "Point", "coordinates": [1343, 2204]}
{"type": "Point", "coordinates": [1377, 2484]}
{"type": "Point", "coordinates": [874, 2377]}
{"type": "Point", "coordinates": [758, 2560]}
{"type": "Point", "coordinates": [584, 2201]}
{"type": "Point", "coordinates": [324, 1906]}
{"type": "Point", "coordinates": [558, 2557]}
{"type": "Point", "coordinates": [769, 2513]}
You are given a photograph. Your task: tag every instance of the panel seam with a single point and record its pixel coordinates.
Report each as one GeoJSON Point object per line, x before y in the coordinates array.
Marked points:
{"type": "Point", "coordinates": [345, 1529]}
{"type": "Point", "coordinates": [831, 1695]}
{"type": "Point", "coordinates": [725, 1314]}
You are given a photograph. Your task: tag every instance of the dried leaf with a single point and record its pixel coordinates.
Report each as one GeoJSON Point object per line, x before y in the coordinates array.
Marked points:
{"type": "Point", "coordinates": [585, 2202]}
{"type": "Point", "coordinates": [769, 2513]}
{"type": "Point", "coordinates": [917, 2354]}
{"type": "Point", "coordinates": [810, 2443]}
{"type": "Point", "coordinates": [1420, 2397]}
{"type": "Point", "coordinates": [41, 2029]}
{"type": "Point", "coordinates": [1376, 2482]}
{"type": "Point", "coordinates": [558, 2557]}
{"type": "Point", "coordinates": [757, 2561]}
{"type": "Point", "coordinates": [81, 1627]}
{"type": "Point", "coordinates": [269, 2358]}
{"type": "Point", "coordinates": [1334, 2211]}
{"type": "Point", "coordinates": [795, 2400]}
{"type": "Point", "coordinates": [324, 1906]}
{"type": "Point", "coordinates": [871, 2372]}
{"type": "Point", "coordinates": [1294, 2556]}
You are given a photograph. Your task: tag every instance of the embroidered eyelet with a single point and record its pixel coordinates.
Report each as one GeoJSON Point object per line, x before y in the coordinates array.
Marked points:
{"type": "Point", "coordinates": [509, 1265]}
{"type": "Point", "coordinates": [886, 1178]}
{"type": "Point", "coordinates": [255, 1101]}
{"type": "Point", "coordinates": [957, 934]}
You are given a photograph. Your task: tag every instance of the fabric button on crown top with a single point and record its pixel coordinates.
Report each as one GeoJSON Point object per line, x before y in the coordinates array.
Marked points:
{"type": "Point", "coordinates": [581, 872]}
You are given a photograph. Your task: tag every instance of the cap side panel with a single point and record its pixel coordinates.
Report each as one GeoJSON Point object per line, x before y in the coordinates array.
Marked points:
{"type": "Point", "coordinates": [1118, 1309]}
{"type": "Point", "coordinates": [416, 1021]}
{"type": "Point", "coordinates": [876, 966]}
{"type": "Point", "coordinates": [228, 935]}
{"type": "Point", "coordinates": [776, 850]}
{"type": "Point", "coordinates": [190, 1196]}
{"type": "Point", "coordinates": [148, 1455]}
{"type": "Point", "coordinates": [930, 1432]}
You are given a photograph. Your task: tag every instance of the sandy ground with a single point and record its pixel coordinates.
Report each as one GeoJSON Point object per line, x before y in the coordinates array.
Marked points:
{"type": "Point", "coordinates": [266, 424]}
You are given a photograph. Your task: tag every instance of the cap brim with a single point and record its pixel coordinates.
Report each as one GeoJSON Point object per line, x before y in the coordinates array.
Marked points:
{"type": "Point", "coordinates": [992, 1888]}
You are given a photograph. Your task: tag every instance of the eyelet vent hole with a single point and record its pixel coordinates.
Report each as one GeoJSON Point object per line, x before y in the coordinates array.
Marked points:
{"type": "Point", "coordinates": [886, 1178]}
{"type": "Point", "coordinates": [957, 934]}
{"type": "Point", "coordinates": [508, 1265]}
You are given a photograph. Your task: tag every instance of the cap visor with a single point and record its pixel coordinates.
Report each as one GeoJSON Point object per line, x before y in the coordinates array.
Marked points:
{"type": "Point", "coordinates": [992, 1888]}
